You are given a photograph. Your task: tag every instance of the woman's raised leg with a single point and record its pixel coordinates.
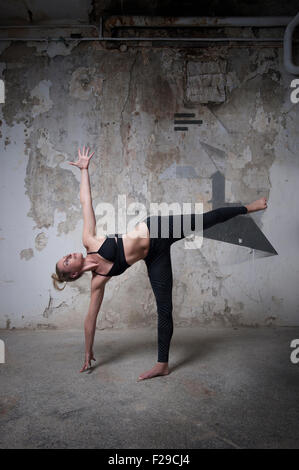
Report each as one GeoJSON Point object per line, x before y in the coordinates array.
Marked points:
{"type": "Point", "coordinates": [183, 225]}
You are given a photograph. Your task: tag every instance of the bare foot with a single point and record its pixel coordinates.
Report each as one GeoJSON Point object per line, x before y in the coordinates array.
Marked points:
{"type": "Point", "coordinates": [161, 368]}
{"type": "Point", "coordinates": [257, 205]}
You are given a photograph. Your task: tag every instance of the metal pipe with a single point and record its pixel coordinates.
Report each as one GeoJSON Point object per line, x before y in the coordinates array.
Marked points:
{"type": "Point", "coordinates": [160, 21]}
{"type": "Point", "coordinates": [150, 39]}
{"type": "Point", "coordinates": [101, 27]}
{"type": "Point", "coordinates": [47, 26]}
{"type": "Point", "coordinates": [192, 21]}
{"type": "Point", "coordinates": [287, 47]}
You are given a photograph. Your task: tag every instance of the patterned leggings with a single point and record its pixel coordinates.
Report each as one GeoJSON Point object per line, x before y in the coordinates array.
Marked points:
{"type": "Point", "coordinates": [158, 261]}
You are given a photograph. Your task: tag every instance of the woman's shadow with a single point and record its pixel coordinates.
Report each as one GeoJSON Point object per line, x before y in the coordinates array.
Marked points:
{"type": "Point", "coordinates": [188, 346]}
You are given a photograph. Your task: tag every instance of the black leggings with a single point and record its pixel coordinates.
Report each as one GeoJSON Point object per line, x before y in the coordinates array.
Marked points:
{"type": "Point", "coordinates": [158, 262]}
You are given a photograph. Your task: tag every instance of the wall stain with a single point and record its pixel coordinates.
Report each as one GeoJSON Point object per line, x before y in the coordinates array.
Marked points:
{"type": "Point", "coordinates": [49, 310]}
{"type": "Point", "coordinates": [51, 189]}
{"type": "Point", "coordinates": [26, 254]}
{"type": "Point", "coordinates": [41, 241]}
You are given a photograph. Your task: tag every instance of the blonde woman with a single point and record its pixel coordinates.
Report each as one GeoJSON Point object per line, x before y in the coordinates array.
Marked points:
{"type": "Point", "coordinates": [111, 255]}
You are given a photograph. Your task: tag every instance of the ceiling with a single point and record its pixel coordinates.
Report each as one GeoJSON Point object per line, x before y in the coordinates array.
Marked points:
{"type": "Point", "coordinates": [26, 12]}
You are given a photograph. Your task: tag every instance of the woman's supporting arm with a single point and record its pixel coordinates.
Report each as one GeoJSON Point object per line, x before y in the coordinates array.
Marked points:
{"type": "Point", "coordinates": [90, 323]}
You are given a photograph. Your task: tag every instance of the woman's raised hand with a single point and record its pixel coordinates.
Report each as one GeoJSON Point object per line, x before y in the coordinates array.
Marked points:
{"type": "Point", "coordinates": [83, 159]}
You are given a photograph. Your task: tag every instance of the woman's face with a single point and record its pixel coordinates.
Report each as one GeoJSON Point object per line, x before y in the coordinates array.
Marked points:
{"type": "Point", "coordinates": [71, 263]}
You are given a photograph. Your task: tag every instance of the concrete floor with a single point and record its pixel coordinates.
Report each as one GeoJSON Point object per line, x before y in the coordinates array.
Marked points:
{"type": "Point", "coordinates": [228, 388]}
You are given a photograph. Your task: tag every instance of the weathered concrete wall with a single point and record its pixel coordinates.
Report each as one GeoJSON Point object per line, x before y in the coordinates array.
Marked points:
{"type": "Point", "coordinates": [122, 104]}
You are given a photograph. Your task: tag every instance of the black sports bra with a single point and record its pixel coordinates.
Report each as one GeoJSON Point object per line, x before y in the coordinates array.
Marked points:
{"type": "Point", "coordinates": [113, 250]}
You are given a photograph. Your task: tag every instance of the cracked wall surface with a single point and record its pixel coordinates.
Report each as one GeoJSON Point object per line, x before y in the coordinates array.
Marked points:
{"type": "Point", "coordinates": [122, 103]}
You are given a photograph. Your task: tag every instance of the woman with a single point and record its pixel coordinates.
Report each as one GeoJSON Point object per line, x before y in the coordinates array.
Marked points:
{"type": "Point", "coordinates": [111, 256]}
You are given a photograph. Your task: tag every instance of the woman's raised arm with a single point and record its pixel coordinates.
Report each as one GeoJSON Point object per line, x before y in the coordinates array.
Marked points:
{"type": "Point", "coordinates": [89, 221]}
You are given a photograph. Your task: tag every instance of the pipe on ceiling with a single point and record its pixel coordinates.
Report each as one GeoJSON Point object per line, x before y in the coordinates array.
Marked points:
{"type": "Point", "coordinates": [175, 22]}
{"type": "Point", "coordinates": [149, 39]}
{"type": "Point", "coordinates": [193, 21]}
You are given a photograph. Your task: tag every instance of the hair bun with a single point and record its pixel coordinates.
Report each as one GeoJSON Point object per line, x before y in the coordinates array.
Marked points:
{"type": "Point", "coordinates": [56, 279]}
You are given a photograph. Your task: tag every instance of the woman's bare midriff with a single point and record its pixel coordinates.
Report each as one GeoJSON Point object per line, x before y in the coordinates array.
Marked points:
{"type": "Point", "coordinates": [136, 243]}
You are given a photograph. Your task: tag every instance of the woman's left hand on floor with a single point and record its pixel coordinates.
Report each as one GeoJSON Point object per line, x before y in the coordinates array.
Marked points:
{"type": "Point", "coordinates": [88, 358]}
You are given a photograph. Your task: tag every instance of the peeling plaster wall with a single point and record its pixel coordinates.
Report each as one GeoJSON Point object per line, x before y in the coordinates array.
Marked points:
{"type": "Point", "coordinates": [122, 104]}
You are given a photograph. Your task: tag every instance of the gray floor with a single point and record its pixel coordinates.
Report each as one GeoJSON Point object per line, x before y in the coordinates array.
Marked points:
{"type": "Point", "coordinates": [228, 388]}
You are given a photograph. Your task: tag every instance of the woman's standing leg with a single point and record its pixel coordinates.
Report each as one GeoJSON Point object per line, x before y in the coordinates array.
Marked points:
{"type": "Point", "coordinates": [160, 276]}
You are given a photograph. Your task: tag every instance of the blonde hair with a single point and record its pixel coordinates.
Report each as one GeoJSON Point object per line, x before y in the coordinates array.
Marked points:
{"type": "Point", "coordinates": [60, 277]}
